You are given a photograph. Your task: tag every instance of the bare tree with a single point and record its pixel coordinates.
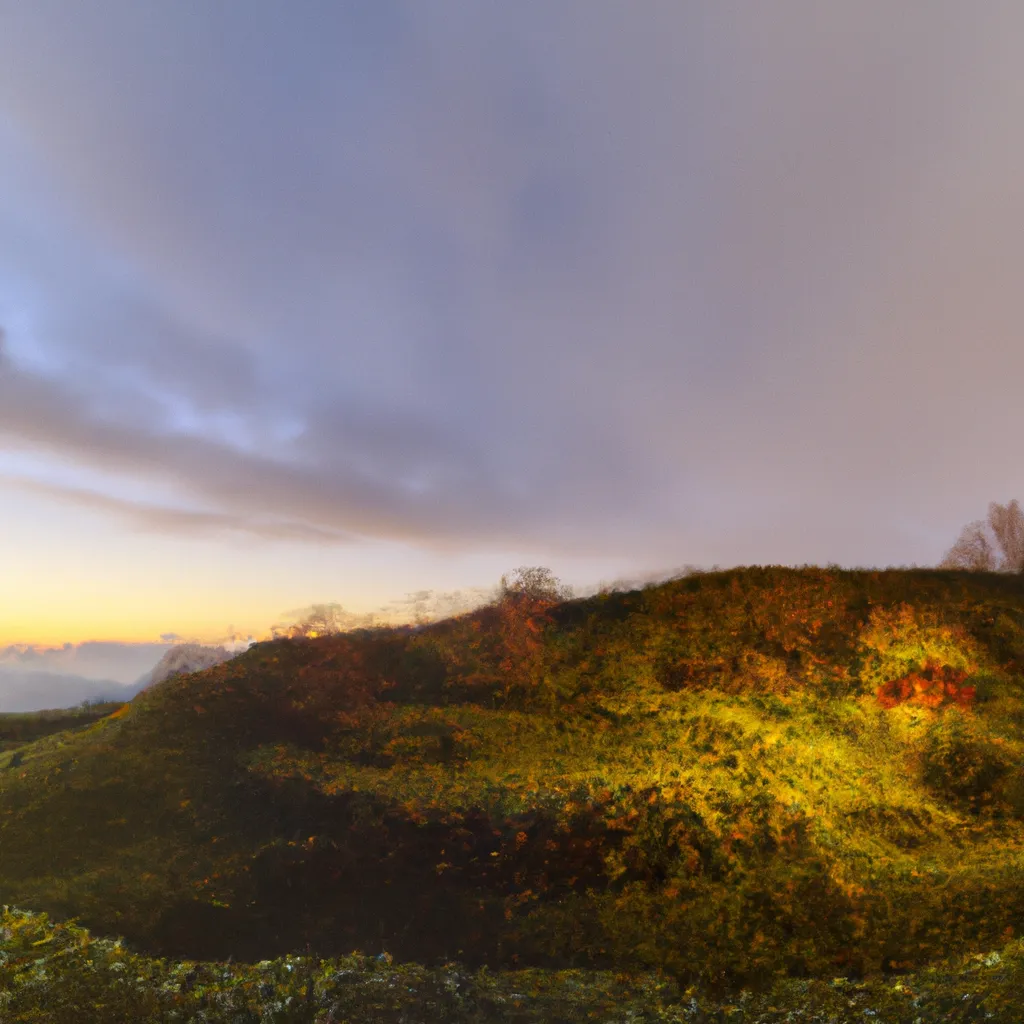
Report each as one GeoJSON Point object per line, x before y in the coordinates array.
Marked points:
{"type": "Point", "coordinates": [995, 544]}
{"type": "Point", "coordinates": [535, 583]}
{"type": "Point", "coordinates": [1007, 522]}
{"type": "Point", "coordinates": [973, 550]}
{"type": "Point", "coordinates": [317, 620]}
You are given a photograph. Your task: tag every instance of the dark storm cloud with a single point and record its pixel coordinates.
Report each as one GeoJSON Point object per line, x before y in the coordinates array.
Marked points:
{"type": "Point", "coordinates": [701, 284]}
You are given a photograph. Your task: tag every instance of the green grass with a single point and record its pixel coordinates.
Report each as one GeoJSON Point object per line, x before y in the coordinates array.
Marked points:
{"type": "Point", "coordinates": [19, 728]}
{"type": "Point", "coordinates": [704, 781]}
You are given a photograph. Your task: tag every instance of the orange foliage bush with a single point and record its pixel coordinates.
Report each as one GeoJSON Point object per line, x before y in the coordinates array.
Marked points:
{"type": "Point", "coordinates": [935, 686]}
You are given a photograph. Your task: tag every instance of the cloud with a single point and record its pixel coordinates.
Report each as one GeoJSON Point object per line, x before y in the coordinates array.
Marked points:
{"type": "Point", "coordinates": [95, 661]}
{"type": "Point", "coordinates": [34, 678]}
{"type": "Point", "coordinates": [326, 500]}
{"type": "Point", "coordinates": [673, 284]}
{"type": "Point", "coordinates": [181, 521]}
{"type": "Point", "coordinates": [40, 691]}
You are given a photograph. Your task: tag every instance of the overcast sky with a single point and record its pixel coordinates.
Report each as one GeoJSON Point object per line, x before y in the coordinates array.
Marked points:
{"type": "Point", "coordinates": [341, 301]}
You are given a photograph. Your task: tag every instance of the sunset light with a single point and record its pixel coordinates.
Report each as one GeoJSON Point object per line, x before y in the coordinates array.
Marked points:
{"type": "Point", "coordinates": [510, 512]}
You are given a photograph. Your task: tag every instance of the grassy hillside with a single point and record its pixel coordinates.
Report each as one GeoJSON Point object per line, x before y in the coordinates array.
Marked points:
{"type": "Point", "coordinates": [730, 778]}
{"type": "Point", "coordinates": [20, 727]}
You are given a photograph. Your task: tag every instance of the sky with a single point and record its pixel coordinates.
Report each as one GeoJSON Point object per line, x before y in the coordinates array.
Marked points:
{"type": "Point", "coordinates": [308, 301]}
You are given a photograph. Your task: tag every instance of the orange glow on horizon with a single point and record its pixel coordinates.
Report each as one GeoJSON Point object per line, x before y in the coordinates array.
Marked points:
{"type": "Point", "coordinates": [12, 636]}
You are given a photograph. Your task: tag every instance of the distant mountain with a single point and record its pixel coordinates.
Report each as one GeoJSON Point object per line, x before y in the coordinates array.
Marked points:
{"type": "Point", "coordinates": [30, 690]}
{"type": "Point", "coordinates": [97, 660]}
{"type": "Point", "coordinates": [24, 688]}
{"type": "Point", "coordinates": [183, 659]}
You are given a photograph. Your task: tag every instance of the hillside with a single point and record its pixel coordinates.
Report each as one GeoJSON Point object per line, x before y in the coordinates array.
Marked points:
{"type": "Point", "coordinates": [18, 728]}
{"type": "Point", "coordinates": [728, 777]}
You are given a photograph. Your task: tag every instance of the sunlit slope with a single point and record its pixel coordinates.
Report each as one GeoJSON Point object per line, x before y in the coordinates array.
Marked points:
{"type": "Point", "coordinates": [730, 775]}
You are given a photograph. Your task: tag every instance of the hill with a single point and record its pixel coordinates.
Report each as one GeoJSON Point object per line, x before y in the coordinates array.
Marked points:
{"type": "Point", "coordinates": [729, 778]}
{"type": "Point", "coordinates": [20, 728]}
{"type": "Point", "coordinates": [183, 659]}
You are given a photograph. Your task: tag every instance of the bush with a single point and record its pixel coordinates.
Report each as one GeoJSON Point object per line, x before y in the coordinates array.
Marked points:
{"type": "Point", "coordinates": [901, 641]}
{"type": "Point", "coordinates": [1011, 791]}
{"type": "Point", "coordinates": [963, 763]}
{"type": "Point", "coordinates": [932, 687]}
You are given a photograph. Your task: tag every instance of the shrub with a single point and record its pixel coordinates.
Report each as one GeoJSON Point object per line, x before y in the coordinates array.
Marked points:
{"type": "Point", "coordinates": [932, 687]}
{"type": "Point", "coordinates": [963, 763]}
{"type": "Point", "coordinates": [904, 643]}
{"type": "Point", "coordinates": [1011, 791]}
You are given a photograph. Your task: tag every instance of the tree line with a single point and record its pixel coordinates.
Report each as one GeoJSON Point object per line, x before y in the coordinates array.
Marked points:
{"type": "Point", "coordinates": [527, 588]}
{"type": "Point", "coordinates": [993, 544]}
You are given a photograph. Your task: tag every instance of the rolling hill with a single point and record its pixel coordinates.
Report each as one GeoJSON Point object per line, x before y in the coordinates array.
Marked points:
{"type": "Point", "coordinates": [729, 778]}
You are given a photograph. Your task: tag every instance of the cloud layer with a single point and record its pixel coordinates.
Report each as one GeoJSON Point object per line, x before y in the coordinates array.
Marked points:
{"type": "Point", "coordinates": [678, 283]}
{"type": "Point", "coordinates": [97, 661]}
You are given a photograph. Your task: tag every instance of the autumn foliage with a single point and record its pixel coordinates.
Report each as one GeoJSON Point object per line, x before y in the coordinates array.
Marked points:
{"type": "Point", "coordinates": [729, 777]}
{"type": "Point", "coordinates": [933, 687]}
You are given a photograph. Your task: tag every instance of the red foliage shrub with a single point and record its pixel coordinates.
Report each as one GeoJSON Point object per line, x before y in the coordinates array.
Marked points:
{"type": "Point", "coordinates": [934, 686]}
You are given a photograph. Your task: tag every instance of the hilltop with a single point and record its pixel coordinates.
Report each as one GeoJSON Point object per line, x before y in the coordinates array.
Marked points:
{"type": "Point", "coordinates": [727, 777]}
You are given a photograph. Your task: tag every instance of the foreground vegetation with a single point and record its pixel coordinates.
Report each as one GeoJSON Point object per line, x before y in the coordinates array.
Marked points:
{"type": "Point", "coordinates": [60, 974]}
{"type": "Point", "coordinates": [757, 781]}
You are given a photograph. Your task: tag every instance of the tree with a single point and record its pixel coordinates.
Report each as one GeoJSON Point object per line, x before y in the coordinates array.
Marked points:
{"type": "Point", "coordinates": [1007, 522]}
{"type": "Point", "coordinates": [525, 598]}
{"type": "Point", "coordinates": [533, 584]}
{"type": "Point", "coordinates": [317, 620]}
{"type": "Point", "coordinates": [973, 550]}
{"type": "Point", "coordinates": [995, 544]}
